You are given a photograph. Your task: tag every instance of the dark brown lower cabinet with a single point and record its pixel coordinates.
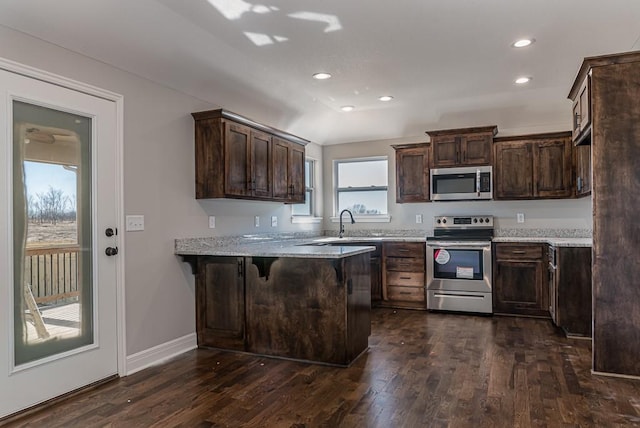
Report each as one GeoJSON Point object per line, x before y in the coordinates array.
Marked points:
{"type": "Point", "coordinates": [312, 309]}
{"type": "Point", "coordinates": [220, 309]}
{"type": "Point", "coordinates": [572, 282]}
{"type": "Point", "coordinates": [375, 267]}
{"type": "Point", "coordinates": [520, 284]}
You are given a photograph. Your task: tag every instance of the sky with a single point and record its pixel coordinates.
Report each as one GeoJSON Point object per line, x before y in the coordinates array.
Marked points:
{"type": "Point", "coordinates": [39, 176]}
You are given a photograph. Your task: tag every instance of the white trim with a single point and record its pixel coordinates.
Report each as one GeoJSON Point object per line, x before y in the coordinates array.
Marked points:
{"type": "Point", "coordinates": [385, 218]}
{"type": "Point", "coordinates": [160, 353]}
{"type": "Point", "coordinates": [118, 99]}
{"type": "Point", "coordinates": [305, 219]}
{"type": "Point", "coordinates": [621, 376]}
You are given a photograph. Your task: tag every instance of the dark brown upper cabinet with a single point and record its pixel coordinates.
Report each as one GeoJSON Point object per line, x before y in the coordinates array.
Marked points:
{"type": "Point", "coordinates": [239, 158]}
{"type": "Point", "coordinates": [581, 131]}
{"type": "Point", "coordinates": [412, 173]}
{"type": "Point", "coordinates": [582, 157]}
{"type": "Point", "coordinates": [533, 166]}
{"type": "Point", "coordinates": [462, 147]}
{"type": "Point", "coordinates": [288, 171]}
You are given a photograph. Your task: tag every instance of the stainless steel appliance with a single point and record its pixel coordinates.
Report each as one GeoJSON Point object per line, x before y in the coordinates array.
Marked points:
{"type": "Point", "coordinates": [465, 183]}
{"type": "Point", "coordinates": [459, 264]}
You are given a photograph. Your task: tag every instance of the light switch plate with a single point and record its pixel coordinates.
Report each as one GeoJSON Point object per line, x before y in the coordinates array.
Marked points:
{"type": "Point", "coordinates": [212, 222]}
{"type": "Point", "coordinates": [256, 221]}
{"type": "Point", "coordinates": [520, 217]}
{"type": "Point", "coordinates": [134, 223]}
{"type": "Point", "coordinates": [274, 221]}
{"type": "Point", "coordinates": [418, 218]}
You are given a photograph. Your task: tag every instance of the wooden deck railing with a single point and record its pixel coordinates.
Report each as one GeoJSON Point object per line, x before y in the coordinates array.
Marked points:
{"type": "Point", "coordinates": [52, 272]}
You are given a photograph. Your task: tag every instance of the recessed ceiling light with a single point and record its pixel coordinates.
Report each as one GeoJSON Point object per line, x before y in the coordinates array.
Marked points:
{"type": "Point", "coordinates": [321, 76]}
{"type": "Point", "coordinates": [385, 98]}
{"type": "Point", "coordinates": [347, 108]}
{"type": "Point", "coordinates": [523, 80]}
{"type": "Point", "coordinates": [523, 43]}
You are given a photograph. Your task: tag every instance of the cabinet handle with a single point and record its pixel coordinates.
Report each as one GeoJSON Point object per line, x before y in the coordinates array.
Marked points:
{"type": "Point", "coordinates": [405, 292]}
{"type": "Point", "coordinates": [240, 267]}
{"type": "Point", "coordinates": [579, 184]}
{"type": "Point", "coordinates": [405, 277]}
{"type": "Point", "coordinates": [576, 121]}
{"type": "Point", "coordinates": [518, 252]}
{"type": "Point", "coordinates": [291, 189]}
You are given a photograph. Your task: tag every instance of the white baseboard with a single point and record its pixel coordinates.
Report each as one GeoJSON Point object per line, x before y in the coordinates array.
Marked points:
{"type": "Point", "coordinates": [159, 354]}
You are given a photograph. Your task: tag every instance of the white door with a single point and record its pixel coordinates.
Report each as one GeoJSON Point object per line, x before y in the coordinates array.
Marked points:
{"type": "Point", "coordinates": [58, 187]}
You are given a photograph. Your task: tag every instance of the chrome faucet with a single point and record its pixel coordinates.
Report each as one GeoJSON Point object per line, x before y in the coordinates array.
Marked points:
{"type": "Point", "coordinates": [341, 234]}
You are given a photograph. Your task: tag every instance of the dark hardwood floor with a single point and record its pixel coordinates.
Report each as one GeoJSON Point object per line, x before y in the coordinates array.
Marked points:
{"type": "Point", "coordinates": [421, 370]}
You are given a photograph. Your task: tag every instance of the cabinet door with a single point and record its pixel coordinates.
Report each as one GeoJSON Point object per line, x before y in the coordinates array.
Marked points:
{"type": "Point", "coordinates": [412, 174]}
{"type": "Point", "coordinates": [583, 170]}
{"type": "Point", "coordinates": [445, 150]}
{"type": "Point", "coordinates": [220, 303]}
{"type": "Point", "coordinates": [297, 189]}
{"type": "Point", "coordinates": [476, 149]}
{"type": "Point", "coordinates": [237, 159]}
{"type": "Point", "coordinates": [519, 288]}
{"type": "Point", "coordinates": [552, 169]}
{"type": "Point", "coordinates": [261, 164]}
{"type": "Point", "coordinates": [281, 172]}
{"type": "Point", "coordinates": [513, 171]}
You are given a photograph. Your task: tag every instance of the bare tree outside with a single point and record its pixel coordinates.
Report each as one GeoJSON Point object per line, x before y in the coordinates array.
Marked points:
{"type": "Point", "coordinates": [51, 207]}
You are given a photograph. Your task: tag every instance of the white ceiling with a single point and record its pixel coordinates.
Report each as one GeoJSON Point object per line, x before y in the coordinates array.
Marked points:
{"type": "Point", "coordinates": [448, 63]}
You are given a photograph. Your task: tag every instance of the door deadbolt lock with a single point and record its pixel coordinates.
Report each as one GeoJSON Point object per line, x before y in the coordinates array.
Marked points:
{"type": "Point", "coordinates": [110, 232]}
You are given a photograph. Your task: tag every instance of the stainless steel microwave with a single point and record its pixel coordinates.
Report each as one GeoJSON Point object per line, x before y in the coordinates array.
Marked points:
{"type": "Point", "coordinates": [462, 184]}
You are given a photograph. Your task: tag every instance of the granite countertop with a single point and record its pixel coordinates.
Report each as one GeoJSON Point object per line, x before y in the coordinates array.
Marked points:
{"type": "Point", "coordinates": [555, 241]}
{"type": "Point", "coordinates": [299, 248]}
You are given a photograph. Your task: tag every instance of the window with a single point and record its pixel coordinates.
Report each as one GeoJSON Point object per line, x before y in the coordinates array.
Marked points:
{"type": "Point", "coordinates": [306, 209]}
{"type": "Point", "coordinates": [361, 186]}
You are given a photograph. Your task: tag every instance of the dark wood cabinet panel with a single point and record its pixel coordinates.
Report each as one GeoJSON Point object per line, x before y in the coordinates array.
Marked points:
{"type": "Point", "coordinates": [553, 171]}
{"type": "Point", "coordinates": [403, 275]}
{"type": "Point", "coordinates": [412, 173]}
{"type": "Point", "coordinates": [220, 302]}
{"type": "Point", "coordinates": [572, 293]}
{"type": "Point", "coordinates": [288, 171]}
{"type": "Point", "coordinates": [261, 164]}
{"type": "Point", "coordinates": [614, 137]}
{"type": "Point", "coordinates": [375, 264]}
{"type": "Point", "coordinates": [582, 158]}
{"type": "Point", "coordinates": [520, 284]}
{"type": "Point", "coordinates": [513, 171]}
{"type": "Point", "coordinates": [462, 147]}
{"type": "Point", "coordinates": [582, 112]}
{"type": "Point", "coordinates": [239, 158]}
{"type": "Point", "coordinates": [534, 166]}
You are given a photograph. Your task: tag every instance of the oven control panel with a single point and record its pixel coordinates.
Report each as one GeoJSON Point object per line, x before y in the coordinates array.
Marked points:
{"type": "Point", "coordinates": [462, 222]}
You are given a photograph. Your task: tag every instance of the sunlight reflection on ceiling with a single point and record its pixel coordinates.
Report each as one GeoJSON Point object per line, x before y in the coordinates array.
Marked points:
{"type": "Point", "coordinates": [234, 9]}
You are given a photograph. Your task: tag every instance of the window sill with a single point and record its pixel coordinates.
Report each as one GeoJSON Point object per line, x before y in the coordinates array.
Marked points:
{"type": "Point", "coordinates": [364, 219]}
{"type": "Point", "coordinates": [299, 219]}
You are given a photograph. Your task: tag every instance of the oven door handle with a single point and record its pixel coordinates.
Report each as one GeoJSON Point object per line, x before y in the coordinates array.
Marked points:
{"type": "Point", "coordinates": [459, 245]}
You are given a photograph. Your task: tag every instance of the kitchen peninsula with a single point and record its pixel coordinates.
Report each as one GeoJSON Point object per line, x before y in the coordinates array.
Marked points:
{"type": "Point", "coordinates": [281, 298]}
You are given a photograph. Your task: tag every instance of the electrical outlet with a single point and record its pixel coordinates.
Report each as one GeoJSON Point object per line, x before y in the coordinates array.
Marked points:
{"type": "Point", "coordinates": [418, 218]}
{"type": "Point", "coordinates": [256, 221]}
{"type": "Point", "coordinates": [134, 223]}
{"type": "Point", "coordinates": [212, 222]}
{"type": "Point", "coordinates": [520, 217]}
{"type": "Point", "coordinates": [274, 221]}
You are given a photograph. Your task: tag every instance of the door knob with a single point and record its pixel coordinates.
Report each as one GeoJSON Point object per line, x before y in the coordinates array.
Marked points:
{"type": "Point", "coordinates": [111, 251]}
{"type": "Point", "coordinates": [110, 232]}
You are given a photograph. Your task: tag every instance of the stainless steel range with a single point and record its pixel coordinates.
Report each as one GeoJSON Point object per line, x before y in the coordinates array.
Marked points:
{"type": "Point", "coordinates": [459, 264]}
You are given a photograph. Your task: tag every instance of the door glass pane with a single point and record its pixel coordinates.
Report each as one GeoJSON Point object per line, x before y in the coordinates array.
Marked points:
{"type": "Point", "coordinates": [53, 286]}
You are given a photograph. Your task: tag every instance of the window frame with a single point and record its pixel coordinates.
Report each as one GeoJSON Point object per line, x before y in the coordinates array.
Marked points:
{"type": "Point", "coordinates": [337, 190]}
{"type": "Point", "coordinates": [310, 191]}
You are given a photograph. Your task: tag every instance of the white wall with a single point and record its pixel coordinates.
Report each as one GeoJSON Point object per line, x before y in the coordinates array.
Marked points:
{"type": "Point", "coordinates": [546, 214]}
{"type": "Point", "coordinates": [159, 184]}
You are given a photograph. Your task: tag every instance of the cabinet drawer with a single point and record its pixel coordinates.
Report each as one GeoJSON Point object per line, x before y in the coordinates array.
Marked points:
{"type": "Point", "coordinates": [404, 249]}
{"type": "Point", "coordinates": [405, 279]}
{"type": "Point", "coordinates": [404, 264]}
{"type": "Point", "coordinates": [518, 252]}
{"type": "Point", "coordinates": [407, 294]}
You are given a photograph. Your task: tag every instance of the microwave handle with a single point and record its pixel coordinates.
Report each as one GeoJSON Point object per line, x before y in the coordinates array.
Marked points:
{"type": "Point", "coordinates": [478, 181]}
